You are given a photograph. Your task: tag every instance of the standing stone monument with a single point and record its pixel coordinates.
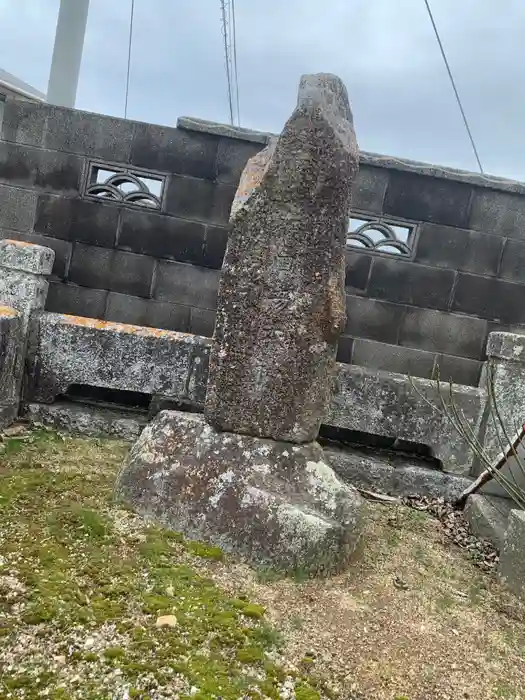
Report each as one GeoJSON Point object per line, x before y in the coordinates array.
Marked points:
{"type": "Point", "coordinates": [249, 476]}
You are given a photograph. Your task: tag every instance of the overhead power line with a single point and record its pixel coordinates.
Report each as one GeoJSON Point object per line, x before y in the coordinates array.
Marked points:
{"type": "Point", "coordinates": [227, 54]}
{"type": "Point", "coordinates": [453, 82]}
{"type": "Point", "coordinates": [235, 68]}
{"type": "Point", "coordinates": [129, 57]}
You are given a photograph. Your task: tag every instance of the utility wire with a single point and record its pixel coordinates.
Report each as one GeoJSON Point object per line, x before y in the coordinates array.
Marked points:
{"type": "Point", "coordinates": [235, 69]}
{"type": "Point", "coordinates": [427, 3]}
{"type": "Point", "coordinates": [129, 57]}
{"type": "Point", "coordinates": [227, 58]}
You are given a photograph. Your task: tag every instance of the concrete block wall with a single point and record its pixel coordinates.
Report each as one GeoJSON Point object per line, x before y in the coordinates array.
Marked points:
{"type": "Point", "coordinates": [115, 261]}
{"type": "Point", "coordinates": [464, 279]}
{"type": "Point", "coordinates": [121, 262]}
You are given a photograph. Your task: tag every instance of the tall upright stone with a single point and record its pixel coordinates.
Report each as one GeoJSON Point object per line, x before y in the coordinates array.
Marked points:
{"type": "Point", "coordinates": [249, 476]}
{"type": "Point", "coordinates": [281, 304]}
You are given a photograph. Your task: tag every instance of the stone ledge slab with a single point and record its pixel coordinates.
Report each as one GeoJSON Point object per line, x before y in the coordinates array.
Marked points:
{"type": "Point", "coordinates": [70, 350]}
{"type": "Point", "coordinates": [86, 420]}
{"type": "Point", "coordinates": [384, 403]}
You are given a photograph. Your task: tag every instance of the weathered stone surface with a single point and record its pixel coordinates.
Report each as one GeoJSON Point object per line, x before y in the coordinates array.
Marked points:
{"type": "Point", "coordinates": [375, 472]}
{"type": "Point", "coordinates": [272, 502]}
{"type": "Point", "coordinates": [22, 282]}
{"type": "Point", "coordinates": [252, 176]}
{"type": "Point", "coordinates": [86, 420]}
{"type": "Point", "coordinates": [506, 366]}
{"type": "Point", "coordinates": [11, 347]}
{"type": "Point", "coordinates": [26, 257]}
{"type": "Point", "coordinates": [68, 350]}
{"type": "Point", "coordinates": [384, 403]}
{"type": "Point", "coordinates": [488, 517]}
{"type": "Point", "coordinates": [281, 302]}
{"type": "Point", "coordinates": [512, 559]}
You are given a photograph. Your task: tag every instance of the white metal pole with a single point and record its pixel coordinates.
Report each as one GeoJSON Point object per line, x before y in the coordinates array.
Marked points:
{"type": "Point", "coordinates": [67, 52]}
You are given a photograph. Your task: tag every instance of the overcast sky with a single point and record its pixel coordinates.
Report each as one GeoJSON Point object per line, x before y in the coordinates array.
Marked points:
{"type": "Point", "coordinates": [384, 50]}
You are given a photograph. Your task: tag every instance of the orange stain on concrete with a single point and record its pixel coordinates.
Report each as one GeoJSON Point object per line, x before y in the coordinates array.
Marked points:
{"type": "Point", "coordinates": [100, 325]}
{"type": "Point", "coordinates": [21, 244]}
{"type": "Point", "coordinates": [8, 311]}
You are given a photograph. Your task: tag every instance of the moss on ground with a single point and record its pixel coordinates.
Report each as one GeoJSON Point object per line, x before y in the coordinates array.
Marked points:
{"type": "Point", "coordinates": [82, 586]}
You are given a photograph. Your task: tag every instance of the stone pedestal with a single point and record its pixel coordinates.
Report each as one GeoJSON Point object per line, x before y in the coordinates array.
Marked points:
{"type": "Point", "coordinates": [249, 476]}
{"type": "Point", "coordinates": [273, 502]}
{"type": "Point", "coordinates": [506, 366]}
{"type": "Point", "coordinates": [10, 358]}
{"type": "Point", "coordinates": [23, 291]}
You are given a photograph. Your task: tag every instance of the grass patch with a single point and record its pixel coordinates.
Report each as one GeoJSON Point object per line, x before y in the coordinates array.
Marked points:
{"type": "Point", "coordinates": [86, 583]}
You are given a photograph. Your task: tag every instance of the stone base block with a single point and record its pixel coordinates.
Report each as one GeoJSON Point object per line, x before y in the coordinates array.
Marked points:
{"type": "Point", "coordinates": [86, 420]}
{"type": "Point", "coordinates": [512, 561]}
{"type": "Point", "coordinates": [8, 415]}
{"type": "Point", "coordinates": [376, 473]}
{"type": "Point", "coordinates": [274, 503]}
{"type": "Point", "coordinates": [488, 517]}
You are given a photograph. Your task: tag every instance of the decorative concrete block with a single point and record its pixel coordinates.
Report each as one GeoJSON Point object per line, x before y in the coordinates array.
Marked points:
{"type": "Point", "coordinates": [512, 559]}
{"type": "Point", "coordinates": [11, 350]}
{"type": "Point", "coordinates": [26, 257]}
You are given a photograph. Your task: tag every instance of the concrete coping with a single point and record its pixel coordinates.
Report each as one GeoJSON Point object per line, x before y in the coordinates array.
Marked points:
{"type": "Point", "coordinates": [26, 257]}
{"type": "Point", "coordinates": [506, 346]}
{"type": "Point", "coordinates": [375, 160]}
{"type": "Point", "coordinates": [232, 132]}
